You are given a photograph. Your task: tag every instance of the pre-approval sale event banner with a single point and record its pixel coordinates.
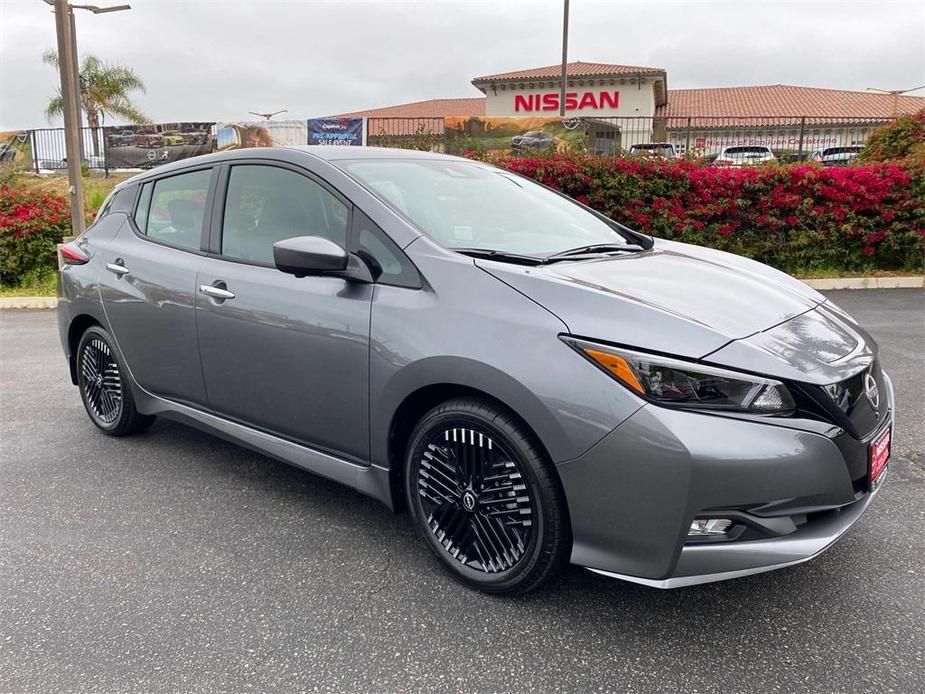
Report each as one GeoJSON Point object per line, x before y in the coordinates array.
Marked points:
{"type": "Point", "coordinates": [346, 132]}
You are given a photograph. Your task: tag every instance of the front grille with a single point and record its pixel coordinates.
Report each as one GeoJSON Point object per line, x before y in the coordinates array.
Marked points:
{"type": "Point", "coordinates": [846, 403]}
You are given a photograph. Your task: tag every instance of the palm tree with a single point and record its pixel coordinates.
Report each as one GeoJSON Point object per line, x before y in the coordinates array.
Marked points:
{"type": "Point", "coordinates": [104, 90]}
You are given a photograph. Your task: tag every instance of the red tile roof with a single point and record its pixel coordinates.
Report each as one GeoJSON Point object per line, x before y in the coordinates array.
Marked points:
{"type": "Point", "coordinates": [784, 100]}
{"type": "Point", "coordinates": [432, 108]}
{"type": "Point", "coordinates": [736, 103]}
{"type": "Point", "coordinates": [576, 69]}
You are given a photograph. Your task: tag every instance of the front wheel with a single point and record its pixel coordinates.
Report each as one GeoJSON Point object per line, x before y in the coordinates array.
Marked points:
{"type": "Point", "coordinates": [485, 497]}
{"type": "Point", "coordinates": [104, 388]}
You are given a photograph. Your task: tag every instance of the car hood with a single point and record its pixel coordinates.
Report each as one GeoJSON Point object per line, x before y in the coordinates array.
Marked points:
{"type": "Point", "coordinates": [675, 298]}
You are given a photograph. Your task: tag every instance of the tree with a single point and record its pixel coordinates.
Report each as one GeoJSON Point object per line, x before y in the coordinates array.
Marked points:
{"type": "Point", "coordinates": [904, 136]}
{"type": "Point", "coordinates": [104, 90]}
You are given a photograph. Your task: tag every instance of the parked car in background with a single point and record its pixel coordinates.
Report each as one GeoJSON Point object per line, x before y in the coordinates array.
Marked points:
{"type": "Point", "coordinates": [148, 137]}
{"type": "Point", "coordinates": [661, 150]}
{"type": "Point", "coordinates": [535, 382]}
{"type": "Point", "coordinates": [49, 165]}
{"type": "Point", "coordinates": [744, 155]}
{"type": "Point", "coordinates": [172, 138]}
{"type": "Point", "coordinates": [534, 139]}
{"type": "Point", "coordinates": [836, 156]}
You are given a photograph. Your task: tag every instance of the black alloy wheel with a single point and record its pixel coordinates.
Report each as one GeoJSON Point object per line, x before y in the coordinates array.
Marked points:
{"type": "Point", "coordinates": [485, 498]}
{"type": "Point", "coordinates": [101, 381]}
{"type": "Point", "coordinates": [103, 387]}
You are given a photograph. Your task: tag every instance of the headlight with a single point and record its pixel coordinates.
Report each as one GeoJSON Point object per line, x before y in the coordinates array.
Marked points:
{"type": "Point", "coordinates": [679, 383]}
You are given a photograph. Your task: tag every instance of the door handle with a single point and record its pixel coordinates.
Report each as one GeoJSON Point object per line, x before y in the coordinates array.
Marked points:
{"type": "Point", "coordinates": [216, 292]}
{"type": "Point", "coordinates": [117, 268]}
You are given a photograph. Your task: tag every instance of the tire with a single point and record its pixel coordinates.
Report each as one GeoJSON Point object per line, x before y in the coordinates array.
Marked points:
{"type": "Point", "coordinates": [485, 497]}
{"type": "Point", "coordinates": [104, 387]}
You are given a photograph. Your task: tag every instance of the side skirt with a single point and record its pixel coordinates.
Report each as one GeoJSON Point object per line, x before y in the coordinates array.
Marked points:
{"type": "Point", "coordinates": [370, 480]}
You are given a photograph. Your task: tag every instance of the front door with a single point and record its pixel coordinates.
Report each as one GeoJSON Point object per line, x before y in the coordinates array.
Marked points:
{"type": "Point", "coordinates": [288, 355]}
{"type": "Point", "coordinates": [148, 286]}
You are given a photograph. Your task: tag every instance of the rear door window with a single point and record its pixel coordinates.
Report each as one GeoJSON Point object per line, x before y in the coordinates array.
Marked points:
{"type": "Point", "coordinates": [173, 212]}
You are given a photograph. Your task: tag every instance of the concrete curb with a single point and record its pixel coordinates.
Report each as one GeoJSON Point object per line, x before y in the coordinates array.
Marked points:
{"type": "Point", "coordinates": [28, 302]}
{"type": "Point", "coordinates": [40, 302]}
{"type": "Point", "coordinates": [867, 283]}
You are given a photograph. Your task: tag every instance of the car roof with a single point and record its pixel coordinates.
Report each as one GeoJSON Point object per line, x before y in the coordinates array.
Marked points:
{"type": "Point", "coordinates": [335, 153]}
{"type": "Point", "coordinates": [329, 153]}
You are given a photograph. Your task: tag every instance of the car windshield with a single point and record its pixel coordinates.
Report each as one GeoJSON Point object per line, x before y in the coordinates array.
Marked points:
{"type": "Point", "coordinates": [470, 205]}
{"type": "Point", "coordinates": [840, 150]}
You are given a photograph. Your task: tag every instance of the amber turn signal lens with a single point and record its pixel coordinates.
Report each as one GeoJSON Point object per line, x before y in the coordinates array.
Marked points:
{"type": "Point", "coordinates": [618, 367]}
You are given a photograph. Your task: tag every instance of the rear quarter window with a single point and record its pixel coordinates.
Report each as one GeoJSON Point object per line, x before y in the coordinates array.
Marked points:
{"type": "Point", "coordinates": [124, 199]}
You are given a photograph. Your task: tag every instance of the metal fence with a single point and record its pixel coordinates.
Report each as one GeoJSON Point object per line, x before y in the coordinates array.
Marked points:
{"type": "Point", "coordinates": [49, 154]}
{"type": "Point", "coordinates": [406, 133]}
{"type": "Point", "coordinates": [790, 138]}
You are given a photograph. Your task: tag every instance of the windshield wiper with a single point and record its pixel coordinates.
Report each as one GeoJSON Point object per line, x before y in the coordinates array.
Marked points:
{"type": "Point", "coordinates": [494, 254]}
{"type": "Point", "coordinates": [595, 249]}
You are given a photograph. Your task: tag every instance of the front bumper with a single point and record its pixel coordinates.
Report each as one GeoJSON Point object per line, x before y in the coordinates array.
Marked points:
{"type": "Point", "coordinates": [633, 496]}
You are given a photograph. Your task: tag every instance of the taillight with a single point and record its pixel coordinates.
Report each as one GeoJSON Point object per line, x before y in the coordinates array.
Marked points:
{"type": "Point", "coordinates": [71, 254]}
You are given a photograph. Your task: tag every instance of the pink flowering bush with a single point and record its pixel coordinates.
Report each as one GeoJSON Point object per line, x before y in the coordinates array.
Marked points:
{"type": "Point", "coordinates": [31, 223]}
{"type": "Point", "coordinates": [799, 218]}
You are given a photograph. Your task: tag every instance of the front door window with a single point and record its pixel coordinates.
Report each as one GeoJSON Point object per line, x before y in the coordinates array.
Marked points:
{"type": "Point", "coordinates": [266, 204]}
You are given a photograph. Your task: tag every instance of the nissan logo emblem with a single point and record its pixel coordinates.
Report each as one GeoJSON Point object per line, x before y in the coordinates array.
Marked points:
{"type": "Point", "coordinates": [872, 391]}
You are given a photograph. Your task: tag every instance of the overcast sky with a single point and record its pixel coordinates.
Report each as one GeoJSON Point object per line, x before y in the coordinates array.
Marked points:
{"type": "Point", "coordinates": [204, 60]}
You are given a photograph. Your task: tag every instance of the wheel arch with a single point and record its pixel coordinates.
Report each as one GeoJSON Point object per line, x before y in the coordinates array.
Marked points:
{"type": "Point", "coordinates": [77, 327]}
{"type": "Point", "coordinates": [421, 395]}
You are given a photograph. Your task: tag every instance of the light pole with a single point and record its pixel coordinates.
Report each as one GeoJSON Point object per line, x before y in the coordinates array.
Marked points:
{"type": "Point", "coordinates": [564, 78]}
{"type": "Point", "coordinates": [896, 93]}
{"type": "Point", "coordinates": [70, 95]}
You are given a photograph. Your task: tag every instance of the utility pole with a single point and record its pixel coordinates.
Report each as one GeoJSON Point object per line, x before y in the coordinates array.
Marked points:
{"type": "Point", "coordinates": [75, 55]}
{"type": "Point", "coordinates": [70, 93]}
{"type": "Point", "coordinates": [563, 83]}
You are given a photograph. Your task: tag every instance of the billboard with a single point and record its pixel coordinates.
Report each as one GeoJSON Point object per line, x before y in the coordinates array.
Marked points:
{"type": "Point", "coordinates": [335, 131]}
{"type": "Point", "coordinates": [267, 133]}
{"type": "Point", "coordinates": [512, 134]}
{"type": "Point", "coordinates": [145, 146]}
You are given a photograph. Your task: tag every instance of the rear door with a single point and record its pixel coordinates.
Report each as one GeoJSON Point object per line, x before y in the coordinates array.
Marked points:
{"type": "Point", "coordinates": [148, 284]}
{"type": "Point", "coordinates": [288, 355]}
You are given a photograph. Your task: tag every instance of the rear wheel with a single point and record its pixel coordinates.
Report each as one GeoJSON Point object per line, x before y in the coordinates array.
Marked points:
{"type": "Point", "coordinates": [485, 498]}
{"type": "Point", "coordinates": [103, 386]}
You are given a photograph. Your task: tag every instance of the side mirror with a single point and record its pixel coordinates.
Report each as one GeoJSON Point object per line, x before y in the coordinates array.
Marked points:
{"type": "Point", "coordinates": [315, 255]}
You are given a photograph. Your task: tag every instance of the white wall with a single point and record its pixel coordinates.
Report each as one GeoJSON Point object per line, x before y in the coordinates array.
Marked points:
{"type": "Point", "coordinates": [633, 100]}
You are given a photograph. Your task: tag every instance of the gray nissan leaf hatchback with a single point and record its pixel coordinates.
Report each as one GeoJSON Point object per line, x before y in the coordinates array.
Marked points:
{"type": "Point", "coordinates": [534, 382]}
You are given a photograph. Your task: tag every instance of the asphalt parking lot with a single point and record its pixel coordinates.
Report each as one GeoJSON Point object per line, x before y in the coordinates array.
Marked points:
{"type": "Point", "coordinates": [174, 561]}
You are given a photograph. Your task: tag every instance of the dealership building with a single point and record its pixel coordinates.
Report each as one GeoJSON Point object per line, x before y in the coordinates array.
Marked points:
{"type": "Point", "coordinates": [621, 105]}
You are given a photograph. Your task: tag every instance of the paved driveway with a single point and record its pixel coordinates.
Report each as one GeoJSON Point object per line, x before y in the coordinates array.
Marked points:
{"type": "Point", "coordinates": [176, 562]}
